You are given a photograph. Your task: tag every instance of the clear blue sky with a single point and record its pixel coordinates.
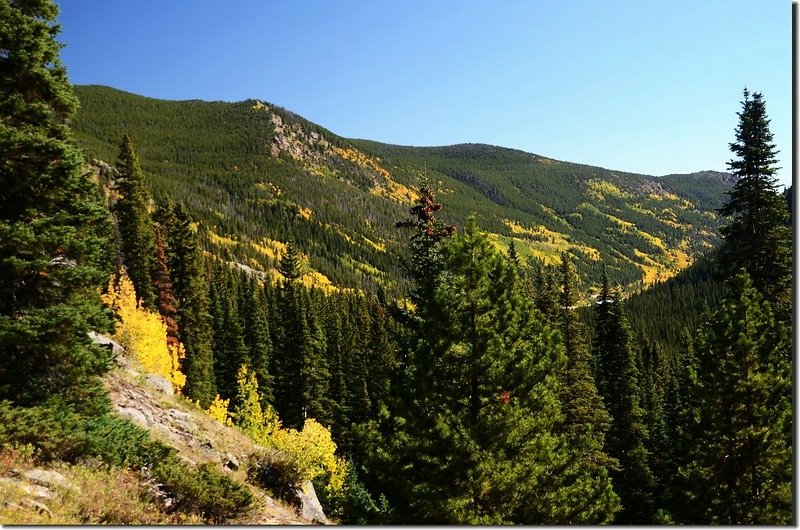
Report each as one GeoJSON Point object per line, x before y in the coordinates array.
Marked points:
{"type": "Point", "coordinates": [644, 86]}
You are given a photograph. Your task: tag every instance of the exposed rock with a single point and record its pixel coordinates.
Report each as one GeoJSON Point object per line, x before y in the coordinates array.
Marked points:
{"type": "Point", "coordinates": [308, 505]}
{"type": "Point", "coordinates": [136, 416]}
{"type": "Point", "coordinates": [188, 427]}
{"type": "Point", "coordinates": [63, 261]}
{"type": "Point", "coordinates": [116, 348]}
{"type": "Point", "coordinates": [34, 490]}
{"type": "Point", "coordinates": [38, 506]}
{"type": "Point", "coordinates": [160, 384]}
{"type": "Point", "coordinates": [231, 462]}
{"type": "Point", "coordinates": [48, 478]}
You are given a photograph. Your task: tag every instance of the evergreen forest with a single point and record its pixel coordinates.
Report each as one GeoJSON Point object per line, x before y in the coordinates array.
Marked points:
{"type": "Point", "coordinates": [465, 334]}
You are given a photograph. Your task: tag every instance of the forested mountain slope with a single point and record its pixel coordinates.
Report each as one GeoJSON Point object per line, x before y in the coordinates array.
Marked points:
{"type": "Point", "coordinates": [256, 175]}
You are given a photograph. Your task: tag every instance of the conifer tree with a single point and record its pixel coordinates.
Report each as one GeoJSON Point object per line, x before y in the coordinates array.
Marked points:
{"type": "Point", "coordinates": [166, 301]}
{"type": "Point", "coordinates": [758, 238]}
{"type": "Point", "coordinates": [186, 264]}
{"type": "Point", "coordinates": [54, 228]}
{"type": "Point", "coordinates": [425, 261]}
{"type": "Point", "coordinates": [135, 226]}
{"type": "Point", "coordinates": [740, 465]}
{"type": "Point", "coordinates": [257, 336]}
{"type": "Point", "coordinates": [300, 366]}
{"type": "Point", "coordinates": [475, 439]}
{"type": "Point", "coordinates": [230, 352]}
{"type": "Point", "coordinates": [586, 420]}
{"type": "Point", "coordinates": [618, 385]}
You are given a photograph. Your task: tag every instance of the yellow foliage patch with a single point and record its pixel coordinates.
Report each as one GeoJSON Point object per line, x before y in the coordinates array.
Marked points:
{"type": "Point", "coordinates": [218, 410]}
{"type": "Point", "coordinates": [318, 280]}
{"type": "Point", "coordinates": [143, 333]}
{"type": "Point", "coordinates": [598, 189]}
{"type": "Point", "coordinates": [221, 241]}
{"type": "Point", "coordinates": [380, 247]}
{"type": "Point", "coordinates": [543, 243]}
{"type": "Point", "coordinates": [666, 195]}
{"type": "Point", "coordinates": [395, 191]}
{"type": "Point", "coordinates": [305, 213]}
{"type": "Point", "coordinates": [361, 160]}
{"type": "Point", "coordinates": [270, 248]}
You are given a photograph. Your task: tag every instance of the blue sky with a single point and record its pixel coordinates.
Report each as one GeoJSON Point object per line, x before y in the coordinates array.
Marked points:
{"type": "Point", "coordinates": [644, 86]}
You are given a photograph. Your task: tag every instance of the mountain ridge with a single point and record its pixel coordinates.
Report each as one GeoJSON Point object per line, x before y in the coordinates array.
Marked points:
{"type": "Point", "coordinates": [256, 175]}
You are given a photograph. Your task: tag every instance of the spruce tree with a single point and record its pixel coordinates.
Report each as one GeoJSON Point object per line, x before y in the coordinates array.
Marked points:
{"type": "Point", "coordinates": [618, 385]}
{"type": "Point", "coordinates": [230, 352]}
{"type": "Point", "coordinates": [740, 465]}
{"type": "Point", "coordinates": [586, 420]}
{"type": "Point", "coordinates": [135, 226]}
{"type": "Point", "coordinates": [475, 440]}
{"type": "Point", "coordinates": [758, 238]}
{"type": "Point", "coordinates": [54, 228]}
{"type": "Point", "coordinates": [302, 373]}
{"type": "Point", "coordinates": [166, 301]}
{"type": "Point", "coordinates": [257, 335]}
{"type": "Point", "coordinates": [187, 266]}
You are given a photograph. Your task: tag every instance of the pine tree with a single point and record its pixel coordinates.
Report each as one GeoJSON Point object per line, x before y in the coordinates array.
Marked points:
{"type": "Point", "coordinates": [257, 336]}
{"type": "Point", "coordinates": [302, 373]}
{"type": "Point", "coordinates": [135, 225]}
{"type": "Point", "coordinates": [186, 264]}
{"type": "Point", "coordinates": [758, 238]}
{"type": "Point", "coordinates": [54, 228]}
{"type": "Point", "coordinates": [475, 439]}
{"type": "Point", "coordinates": [230, 351]}
{"type": "Point", "coordinates": [618, 385]}
{"type": "Point", "coordinates": [166, 301]}
{"type": "Point", "coordinates": [425, 262]}
{"type": "Point", "coordinates": [740, 470]}
{"type": "Point", "coordinates": [586, 420]}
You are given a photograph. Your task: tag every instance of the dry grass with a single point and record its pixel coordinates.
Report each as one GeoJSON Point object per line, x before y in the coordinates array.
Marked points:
{"type": "Point", "coordinates": [99, 495]}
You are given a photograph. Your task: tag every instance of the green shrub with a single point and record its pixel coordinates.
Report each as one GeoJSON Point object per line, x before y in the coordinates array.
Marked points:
{"type": "Point", "coordinates": [352, 504]}
{"type": "Point", "coordinates": [53, 432]}
{"type": "Point", "coordinates": [118, 442]}
{"type": "Point", "coordinates": [204, 491]}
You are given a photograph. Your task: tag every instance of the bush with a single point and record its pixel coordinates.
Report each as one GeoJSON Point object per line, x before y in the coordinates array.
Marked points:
{"type": "Point", "coordinates": [204, 491]}
{"type": "Point", "coordinates": [118, 442]}
{"type": "Point", "coordinates": [352, 504]}
{"type": "Point", "coordinates": [54, 433]}
{"type": "Point", "coordinates": [274, 472]}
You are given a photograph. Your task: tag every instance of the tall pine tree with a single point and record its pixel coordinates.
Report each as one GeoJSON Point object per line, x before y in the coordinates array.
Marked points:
{"type": "Point", "coordinates": [475, 440]}
{"type": "Point", "coordinates": [187, 267]}
{"type": "Point", "coordinates": [135, 225]}
{"type": "Point", "coordinates": [586, 420]}
{"type": "Point", "coordinates": [758, 238]}
{"type": "Point", "coordinates": [54, 228]}
{"type": "Point", "coordinates": [618, 385]}
{"type": "Point", "coordinates": [740, 465]}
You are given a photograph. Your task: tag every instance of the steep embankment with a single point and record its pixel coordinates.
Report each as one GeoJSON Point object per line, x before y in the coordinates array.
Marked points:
{"type": "Point", "coordinates": [254, 175]}
{"type": "Point", "coordinates": [90, 493]}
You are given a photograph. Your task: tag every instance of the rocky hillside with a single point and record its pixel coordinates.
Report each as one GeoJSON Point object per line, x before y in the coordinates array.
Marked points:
{"type": "Point", "coordinates": [88, 493]}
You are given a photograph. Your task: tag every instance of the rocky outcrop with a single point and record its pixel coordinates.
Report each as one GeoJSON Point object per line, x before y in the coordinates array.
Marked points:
{"type": "Point", "coordinates": [199, 439]}
{"type": "Point", "coordinates": [115, 348]}
{"type": "Point", "coordinates": [308, 504]}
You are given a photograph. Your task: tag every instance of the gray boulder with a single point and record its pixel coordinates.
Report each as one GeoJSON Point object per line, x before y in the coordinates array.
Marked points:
{"type": "Point", "coordinates": [231, 462]}
{"type": "Point", "coordinates": [136, 416]}
{"type": "Point", "coordinates": [48, 479]}
{"type": "Point", "coordinates": [160, 384]}
{"type": "Point", "coordinates": [114, 347]}
{"type": "Point", "coordinates": [307, 503]}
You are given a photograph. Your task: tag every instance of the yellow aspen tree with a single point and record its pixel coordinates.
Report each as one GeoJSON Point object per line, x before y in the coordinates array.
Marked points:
{"type": "Point", "coordinates": [143, 333]}
{"type": "Point", "coordinates": [219, 410]}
